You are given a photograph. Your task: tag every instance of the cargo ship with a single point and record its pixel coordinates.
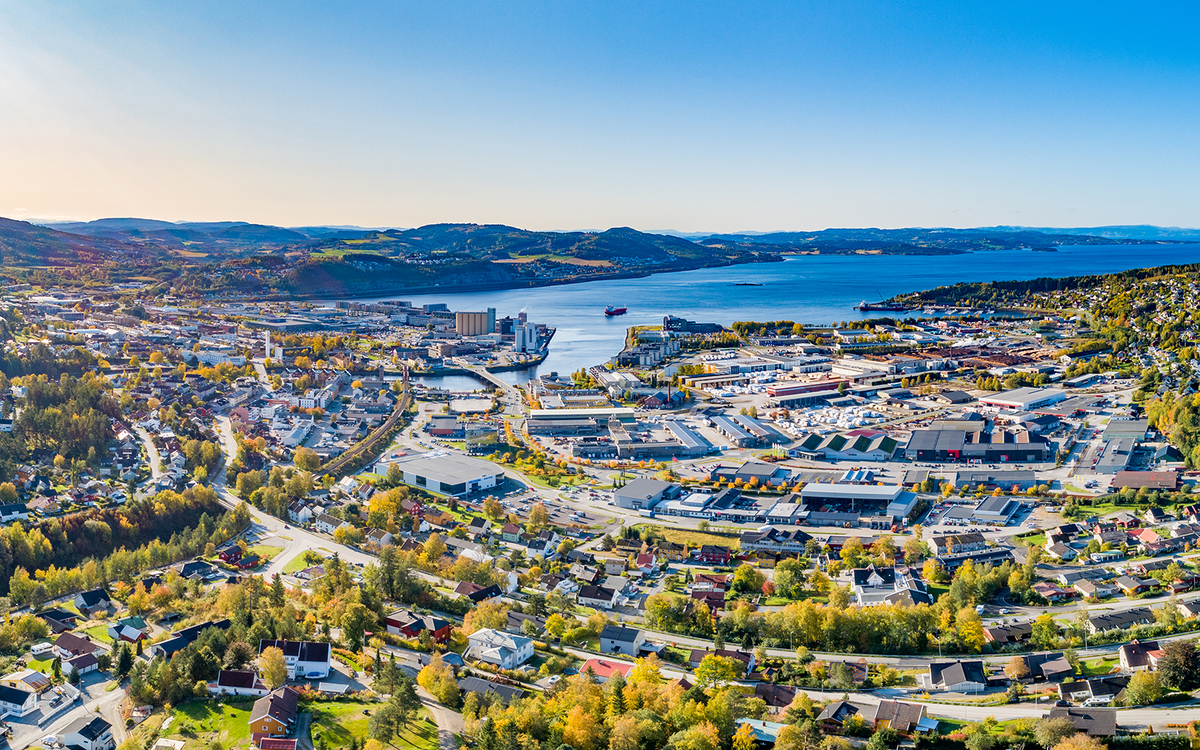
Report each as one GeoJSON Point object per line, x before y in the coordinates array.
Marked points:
{"type": "Point", "coordinates": [611, 311]}
{"type": "Point", "coordinates": [865, 306]}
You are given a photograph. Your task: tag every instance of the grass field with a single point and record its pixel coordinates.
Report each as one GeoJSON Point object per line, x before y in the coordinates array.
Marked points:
{"type": "Point", "coordinates": [338, 721]}
{"type": "Point", "coordinates": [300, 562]}
{"type": "Point", "coordinates": [694, 538]}
{"type": "Point", "coordinates": [99, 633]}
{"type": "Point", "coordinates": [200, 725]}
{"type": "Point", "coordinates": [265, 552]}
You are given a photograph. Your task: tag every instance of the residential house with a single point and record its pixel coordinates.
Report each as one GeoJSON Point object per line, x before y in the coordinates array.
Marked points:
{"type": "Point", "coordinates": [182, 638]}
{"type": "Point", "coordinates": [274, 714]}
{"type": "Point", "coordinates": [1096, 722]}
{"type": "Point", "coordinates": [1046, 667]}
{"type": "Point", "coordinates": [956, 676]}
{"type": "Point", "coordinates": [378, 538]}
{"type": "Point", "coordinates": [238, 682]}
{"type": "Point", "coordinates": [1096, 589]}
{"type": "Point", "coordinates": [1051, 592]}
{"type": "Point", "coordinates": [711, 554]}
{"type": "Point", "coordinates": [616, 639]}
{"type": "Point", "coordinates": [1137, 656]}
{"type": "Point", "coordinates": [69, 645]}
{"type": "Point", "coordinates": [1017, 632]}
{"type": "Point", "coordinates": [81, 664]}
{"type": "Point", "coordinates": [91, 602]}
{"type": "Point", "coordinates": [1106, 688]}
{"type": "Point", "coordinates": [304, 659]}
{"type": "Point", "coordinates": [604, 669]}
{"type": "Point", "coordinates": [17, 701]}
{"type": "Point", "coordinates": [476, 593]}
{"type": "Point", "coordinates": [746, 658]}
{"type": "Point", "coordinates": [1120, 619]}
{"type": "Point", "coordinates": [1133, 586]}
{"type": "Point", "coordinates": [88, 732]}
{"type": "Point", "coordinates": [501, 649]}
{"type": "Point", "coordinates": [130, 630]}
{"type": "Point", "coordinates": [596, 597]}
{"type": "Point", "coordinates": [953, 544]}
{"type": "Point", "coordinates": [482, 687]}
{"type": "Point", "coordinates": [27, 679]}
{"type": "Point", "coordinates": [327, 524]}
{"type": "Point", "coordinates": [410, 625]}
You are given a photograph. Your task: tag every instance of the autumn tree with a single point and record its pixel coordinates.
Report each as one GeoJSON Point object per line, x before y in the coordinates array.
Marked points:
{"type": "Point", "coordinates": [1016, 669]}
{"type": "Point", "coordinates": [1080, 741]}
{"type": "Point", "coordinates": [273, 667]}
{"type": "Point", "coordinates": [306, 459]}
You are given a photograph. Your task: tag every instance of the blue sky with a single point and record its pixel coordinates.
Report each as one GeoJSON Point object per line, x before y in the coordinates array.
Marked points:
{"type": "Point", "coordinates": [691, 116]}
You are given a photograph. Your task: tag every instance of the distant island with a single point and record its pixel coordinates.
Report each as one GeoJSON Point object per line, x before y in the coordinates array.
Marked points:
{"type": "Point", "coordinates": [238, 259]}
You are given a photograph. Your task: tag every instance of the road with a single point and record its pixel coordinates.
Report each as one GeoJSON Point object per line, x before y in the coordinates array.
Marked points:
{"type": "Point", "coordinates": [152, 452]}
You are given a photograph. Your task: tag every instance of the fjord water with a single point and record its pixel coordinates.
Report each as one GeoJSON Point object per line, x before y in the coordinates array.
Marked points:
{"type": "Point", "coordinates": [817, 289]}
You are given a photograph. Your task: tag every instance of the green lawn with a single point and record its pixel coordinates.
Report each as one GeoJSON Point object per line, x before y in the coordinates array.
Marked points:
{"type": "Point", "coordinates": [338, 721]}
{"type": "Point", "coordinates": [199, 725]}
{"type": "Point", "coordinates": [99, 633]}
{"type": "Point", "coordinates": [694, 538]}
{"type": "Point", "coordinates": [300, 562]}
{"type": "Point", "coordinates": [1096, 667]}
{"type": "Point", "coordinates": [45, 666]}
{"type": "Point", "coordinates": [265, 551]}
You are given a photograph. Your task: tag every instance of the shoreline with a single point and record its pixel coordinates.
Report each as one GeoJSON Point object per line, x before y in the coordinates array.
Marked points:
{"type": "Point", "coordinates": [493, 287]}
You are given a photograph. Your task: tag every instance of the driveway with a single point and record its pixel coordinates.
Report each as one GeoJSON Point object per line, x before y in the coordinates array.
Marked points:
{"type": "Point", "coordinates": [304, 731]}
{"type": "Point", "coordinates": [450, 723]}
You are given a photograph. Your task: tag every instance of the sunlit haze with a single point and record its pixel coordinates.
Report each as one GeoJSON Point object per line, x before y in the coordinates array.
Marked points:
{"type": "Point", "coordinates": [686, 116]}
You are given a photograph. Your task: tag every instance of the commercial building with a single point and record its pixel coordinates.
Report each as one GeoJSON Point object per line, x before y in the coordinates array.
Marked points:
{"type": "Point", "coordinates": [1000, 446]}
{"type": "Point", "coordinates": [1024, 399]}
{"type": "Point", "coordinates": [445, 473]}
{"type": "Point", "coordinates": [644, 493]}
{"type": "Point", "coordinates": [1116, 456]}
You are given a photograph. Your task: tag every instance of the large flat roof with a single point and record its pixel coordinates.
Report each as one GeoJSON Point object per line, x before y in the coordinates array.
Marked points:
{"type": "Point", "coordinates": [448, 468]}
{"type": "Point", "coordinates": [1026, 397]}
{"type": "Point", "coordinates": [623, 413]}
{"type": "Point", "coordinates": [887, 492]}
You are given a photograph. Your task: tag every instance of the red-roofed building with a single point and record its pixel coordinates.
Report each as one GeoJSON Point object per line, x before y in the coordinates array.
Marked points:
{"type": "Point", "coordinates": [276, 743]}
{"type": "Point", "coordinates": [605, 668]}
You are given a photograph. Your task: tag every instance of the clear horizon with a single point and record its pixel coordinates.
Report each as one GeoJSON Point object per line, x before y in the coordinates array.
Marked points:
{"type": "Point", "coordinates": [544, 116]}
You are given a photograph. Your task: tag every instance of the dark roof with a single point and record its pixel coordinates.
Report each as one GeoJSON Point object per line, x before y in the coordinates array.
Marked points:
{"type": "Point", "coordinates": [89, 727]}
{"type": "Point", "coordinates": [619, 633]}
{"type": "Point", "coordinates": [775, 695]}
{"type": "Point", "coordinates": [1097, 722]}
{"type": "Point", "coordinates": [92, 598]}
{"type": "Point", "coordinates": [596, 592]}
{"type": "Point", "coordinates": [180, 639]}
{"type": "Point", "coordinates": [236, 678]}
{"type": "Point", "coordinates": [954, 672]}
{"type": "Point", "coordinates": [75, 644]}
{"type": "Point", "coordinates": [13, 695]}
{"type": "Point", "coordinates": [483, 687]}
{"type": "Point", "coordinates": [301, 650]}
{"type": "Point", "coordinates": [280, 704]}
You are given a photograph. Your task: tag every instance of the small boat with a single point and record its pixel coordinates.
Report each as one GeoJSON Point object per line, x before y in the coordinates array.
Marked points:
{"type": "Point", "coordinates": [746, 283]}
{"type": "Point", "coordinates": [611, 311]}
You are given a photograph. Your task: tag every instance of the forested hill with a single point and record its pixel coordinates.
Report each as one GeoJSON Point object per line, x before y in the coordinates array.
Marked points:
{"type": "Point", "coordinates": [918, 241]}
{"type": "Point", "coordinates": [993, 293]}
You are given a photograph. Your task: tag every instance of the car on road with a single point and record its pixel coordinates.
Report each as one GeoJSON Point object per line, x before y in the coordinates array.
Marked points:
{"type": "Point", "coordinates": [50, 741]}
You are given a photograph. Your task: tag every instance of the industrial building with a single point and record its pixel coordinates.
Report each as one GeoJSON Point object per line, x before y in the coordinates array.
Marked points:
{"type": "Point", "coordinates": [1115, 456]}
{"type": "Point", "coordinates": [1025, 399]}
{"type": "Point", "coordinates": [475, 323]}
{"type": "Point", "coordinates": [445, 473]}
{"type": "Point", "coordinates": [1000, 446]}
{"type": "Point", "coordinates": [644, 493]}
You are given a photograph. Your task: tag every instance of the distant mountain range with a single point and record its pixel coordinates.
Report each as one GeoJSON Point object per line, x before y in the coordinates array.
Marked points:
{"type": "Point", "coordinates": [349, 259]}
